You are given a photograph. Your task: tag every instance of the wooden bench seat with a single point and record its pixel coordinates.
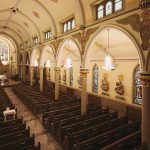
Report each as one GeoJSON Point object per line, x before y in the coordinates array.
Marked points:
{"type": "Point", "coordinates": [107, 138]}
{"type": "Point", "coordinates": [92, 131]}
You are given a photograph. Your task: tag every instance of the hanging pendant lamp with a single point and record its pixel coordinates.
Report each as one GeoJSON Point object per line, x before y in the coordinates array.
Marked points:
{"type": "Point", "coordinates": [108, 60]}
{"type": "Point", "coordinates": [68, 63]}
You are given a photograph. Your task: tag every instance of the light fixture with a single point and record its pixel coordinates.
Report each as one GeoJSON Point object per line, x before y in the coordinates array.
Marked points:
{"type": "Point", "coordinates": [48, 63]}
{"type": "Point", "coordinates": [108, 60]}
{"type": "Point", "coordinates": [68, 60]}
{"type": "Point", "coordinates": [36, 63]}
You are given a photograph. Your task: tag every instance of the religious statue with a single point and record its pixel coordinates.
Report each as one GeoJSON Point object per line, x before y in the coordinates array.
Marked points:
{"type": "Point", "coordinates": [105, 83]}
{"type": "Point", "coordinates": [119, 88]}
{"type": "Point", "coordinates": [64, 77]}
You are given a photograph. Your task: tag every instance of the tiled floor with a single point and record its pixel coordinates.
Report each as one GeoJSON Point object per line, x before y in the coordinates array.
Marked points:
{"type": "Point", "coordinates": [46, 140]}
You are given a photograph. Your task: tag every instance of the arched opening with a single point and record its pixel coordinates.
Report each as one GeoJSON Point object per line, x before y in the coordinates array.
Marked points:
{"type": "Point", "coordinates": [126, 55]}
{"type": "Point", "coordinates": [47, 60]}
{"type": "Point", "coordinates": [27, 64]}
{"type": "Point", "coordinates": [69, 50]}
{"type": "Point", "coordinates": [34, 61]}
{"type": "Point", "coordinates": [8, 58]}
{"type": "Point", "coordinates": [20, 66]}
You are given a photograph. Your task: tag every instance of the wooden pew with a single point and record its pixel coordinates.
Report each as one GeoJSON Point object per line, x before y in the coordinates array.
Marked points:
{"type": "Point", "coordinates": [92, 131]}
{"type": "Point", "coordinates": [107, 138]}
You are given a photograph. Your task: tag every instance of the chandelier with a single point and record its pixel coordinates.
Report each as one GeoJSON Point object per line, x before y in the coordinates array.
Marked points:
{"type": "Point", "coordinates": [36, 63]}
{"type": "Point", "coordinates": [48, 63]}
{"type": "Point", "coordinates": [108, 60]}
{"type": "Point", "coordinates": [68, 63]}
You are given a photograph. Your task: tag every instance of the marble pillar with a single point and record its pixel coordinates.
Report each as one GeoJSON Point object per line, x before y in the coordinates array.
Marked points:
{"type": "Point", "coordinates": [84, 97]}
{"type": "Point", "coordinates": [145, 78]}
{"type": "Point", "coordinates": [31, 75]}
{"type": "Point", "coordinates": [57, 73]}
{"type": "Point", "coordinates": [41, 79]}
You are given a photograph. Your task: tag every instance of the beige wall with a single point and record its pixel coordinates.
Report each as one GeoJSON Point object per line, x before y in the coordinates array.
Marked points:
{"type": "Point", "coordinates": [123, 67]}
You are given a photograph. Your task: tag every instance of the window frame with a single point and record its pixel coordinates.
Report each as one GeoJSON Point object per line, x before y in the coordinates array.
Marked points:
{"type": "Point", "coordinates": [47, 33]}
{"type": "Point", "coordinates": [35, 40]}
{"type": "Point", "coordinates": [71, 20]}
{"type": "Point", "coordinates": [104, 8]}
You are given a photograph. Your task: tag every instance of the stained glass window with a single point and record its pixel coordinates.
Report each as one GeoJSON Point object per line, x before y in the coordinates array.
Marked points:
{"type": "Point", "coordinates": [100, 11]}
{"type": "Point", "coordinates": [3, 51]}
{"type": "Point", "coordinates": [118, 5]}
{"type": "Point", "coordinates": [95, 79]}
{"type": "Point", "coordinates": [109, 8]}
{"type": "Point", "coordinates": [71, 76]}
{"type": "Point", "coordinates": [137, 91]}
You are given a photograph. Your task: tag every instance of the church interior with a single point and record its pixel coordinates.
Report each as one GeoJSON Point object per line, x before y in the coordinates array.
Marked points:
{"type": "Point", "coordinates": [74, 74]}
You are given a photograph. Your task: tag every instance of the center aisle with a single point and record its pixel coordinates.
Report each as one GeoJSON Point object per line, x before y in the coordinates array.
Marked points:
{"type": "Point", "coordinates": [46, 140]}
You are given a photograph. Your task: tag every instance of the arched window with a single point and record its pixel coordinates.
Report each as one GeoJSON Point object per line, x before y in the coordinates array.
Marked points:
{"type": "Point", "coordinates": [71, 76]}
{"type": "Point", "coordinates": [3, 51]}
{"type": "Point", "coordinates": [95, 79]}
{"type": "Point", "coordinates": [137, 86]}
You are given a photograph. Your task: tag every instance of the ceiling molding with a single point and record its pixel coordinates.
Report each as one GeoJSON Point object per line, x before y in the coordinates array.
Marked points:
{"type": "Point", "coordinates": [81, 10]}
{"type": "Point", "coordinates": [22, 14]}
{"type": "Point", "coordinates": [54, 29]}
{"type": "Point", "coordinates": [11, 21]}
{"type": "Point", "coordinates": [32, 23]}
{"type": "Point", "coordinates": [12, 39]}
{"type": "Point", "coordinates": [8, 28]}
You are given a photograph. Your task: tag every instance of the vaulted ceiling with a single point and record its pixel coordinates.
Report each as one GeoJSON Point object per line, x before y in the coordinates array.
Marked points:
{"type": "Point", "coordinates": [23, 19]}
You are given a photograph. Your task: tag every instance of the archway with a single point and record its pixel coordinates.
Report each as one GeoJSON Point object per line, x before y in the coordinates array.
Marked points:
{"type": "Point", "coordinates": [48, 61]}
{"type": "Point", "coordinates": [69, 49]}
{"type": "Point", "coordinates": [27, 64]}
{"type": "Point", "coordinates": [126, 54]}
{"type": "Point", "coordinates": [8, 57]}
{"type": "Point", "coordinates": [34, 62]}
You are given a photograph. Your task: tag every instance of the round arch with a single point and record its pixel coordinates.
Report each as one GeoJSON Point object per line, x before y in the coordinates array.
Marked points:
{"type": "Point", "coordinates": [47, 53]}
{"type": "Point", "coordinates": [27, 58]}
{"type": "Point", "coordinates": [72, 44]}
{"type": "Point", "coordinates": [35, 55]}
{"type": "Point", "coordinates": [122, 30]}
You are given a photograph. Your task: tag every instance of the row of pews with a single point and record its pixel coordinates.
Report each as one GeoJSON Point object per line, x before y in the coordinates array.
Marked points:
{"type": "Point", "coordinates": [99, 128]}
{"type": "Point", "coordinates": [39, 102]}
{"type": "Point", "coordinates": [14, 135]}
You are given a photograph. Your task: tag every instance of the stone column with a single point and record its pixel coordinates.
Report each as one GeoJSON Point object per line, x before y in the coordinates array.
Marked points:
{"type": "Point", "coordinates": [31, 75]}
{"type": "Point", "coordinates": [57, 73]}
{"type": "Point", "coordinates": [84, 97]}
{"type": "Point", "coordinates": [24, 72]}
{"type": "Point", "coordinates": [41, 79]}
{"type": "Point", "coordinates": [145, 78]}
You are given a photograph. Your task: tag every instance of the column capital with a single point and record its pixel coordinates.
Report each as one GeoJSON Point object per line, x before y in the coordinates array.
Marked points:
{"type": "Point", "coordinates": [145, 79]}
{"type": "Point", "coordinates": [84, 72]}
{"type": "Point", "coordinates": [41, 68]}
{"type": "Point", "coordinates": [57, 68]}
